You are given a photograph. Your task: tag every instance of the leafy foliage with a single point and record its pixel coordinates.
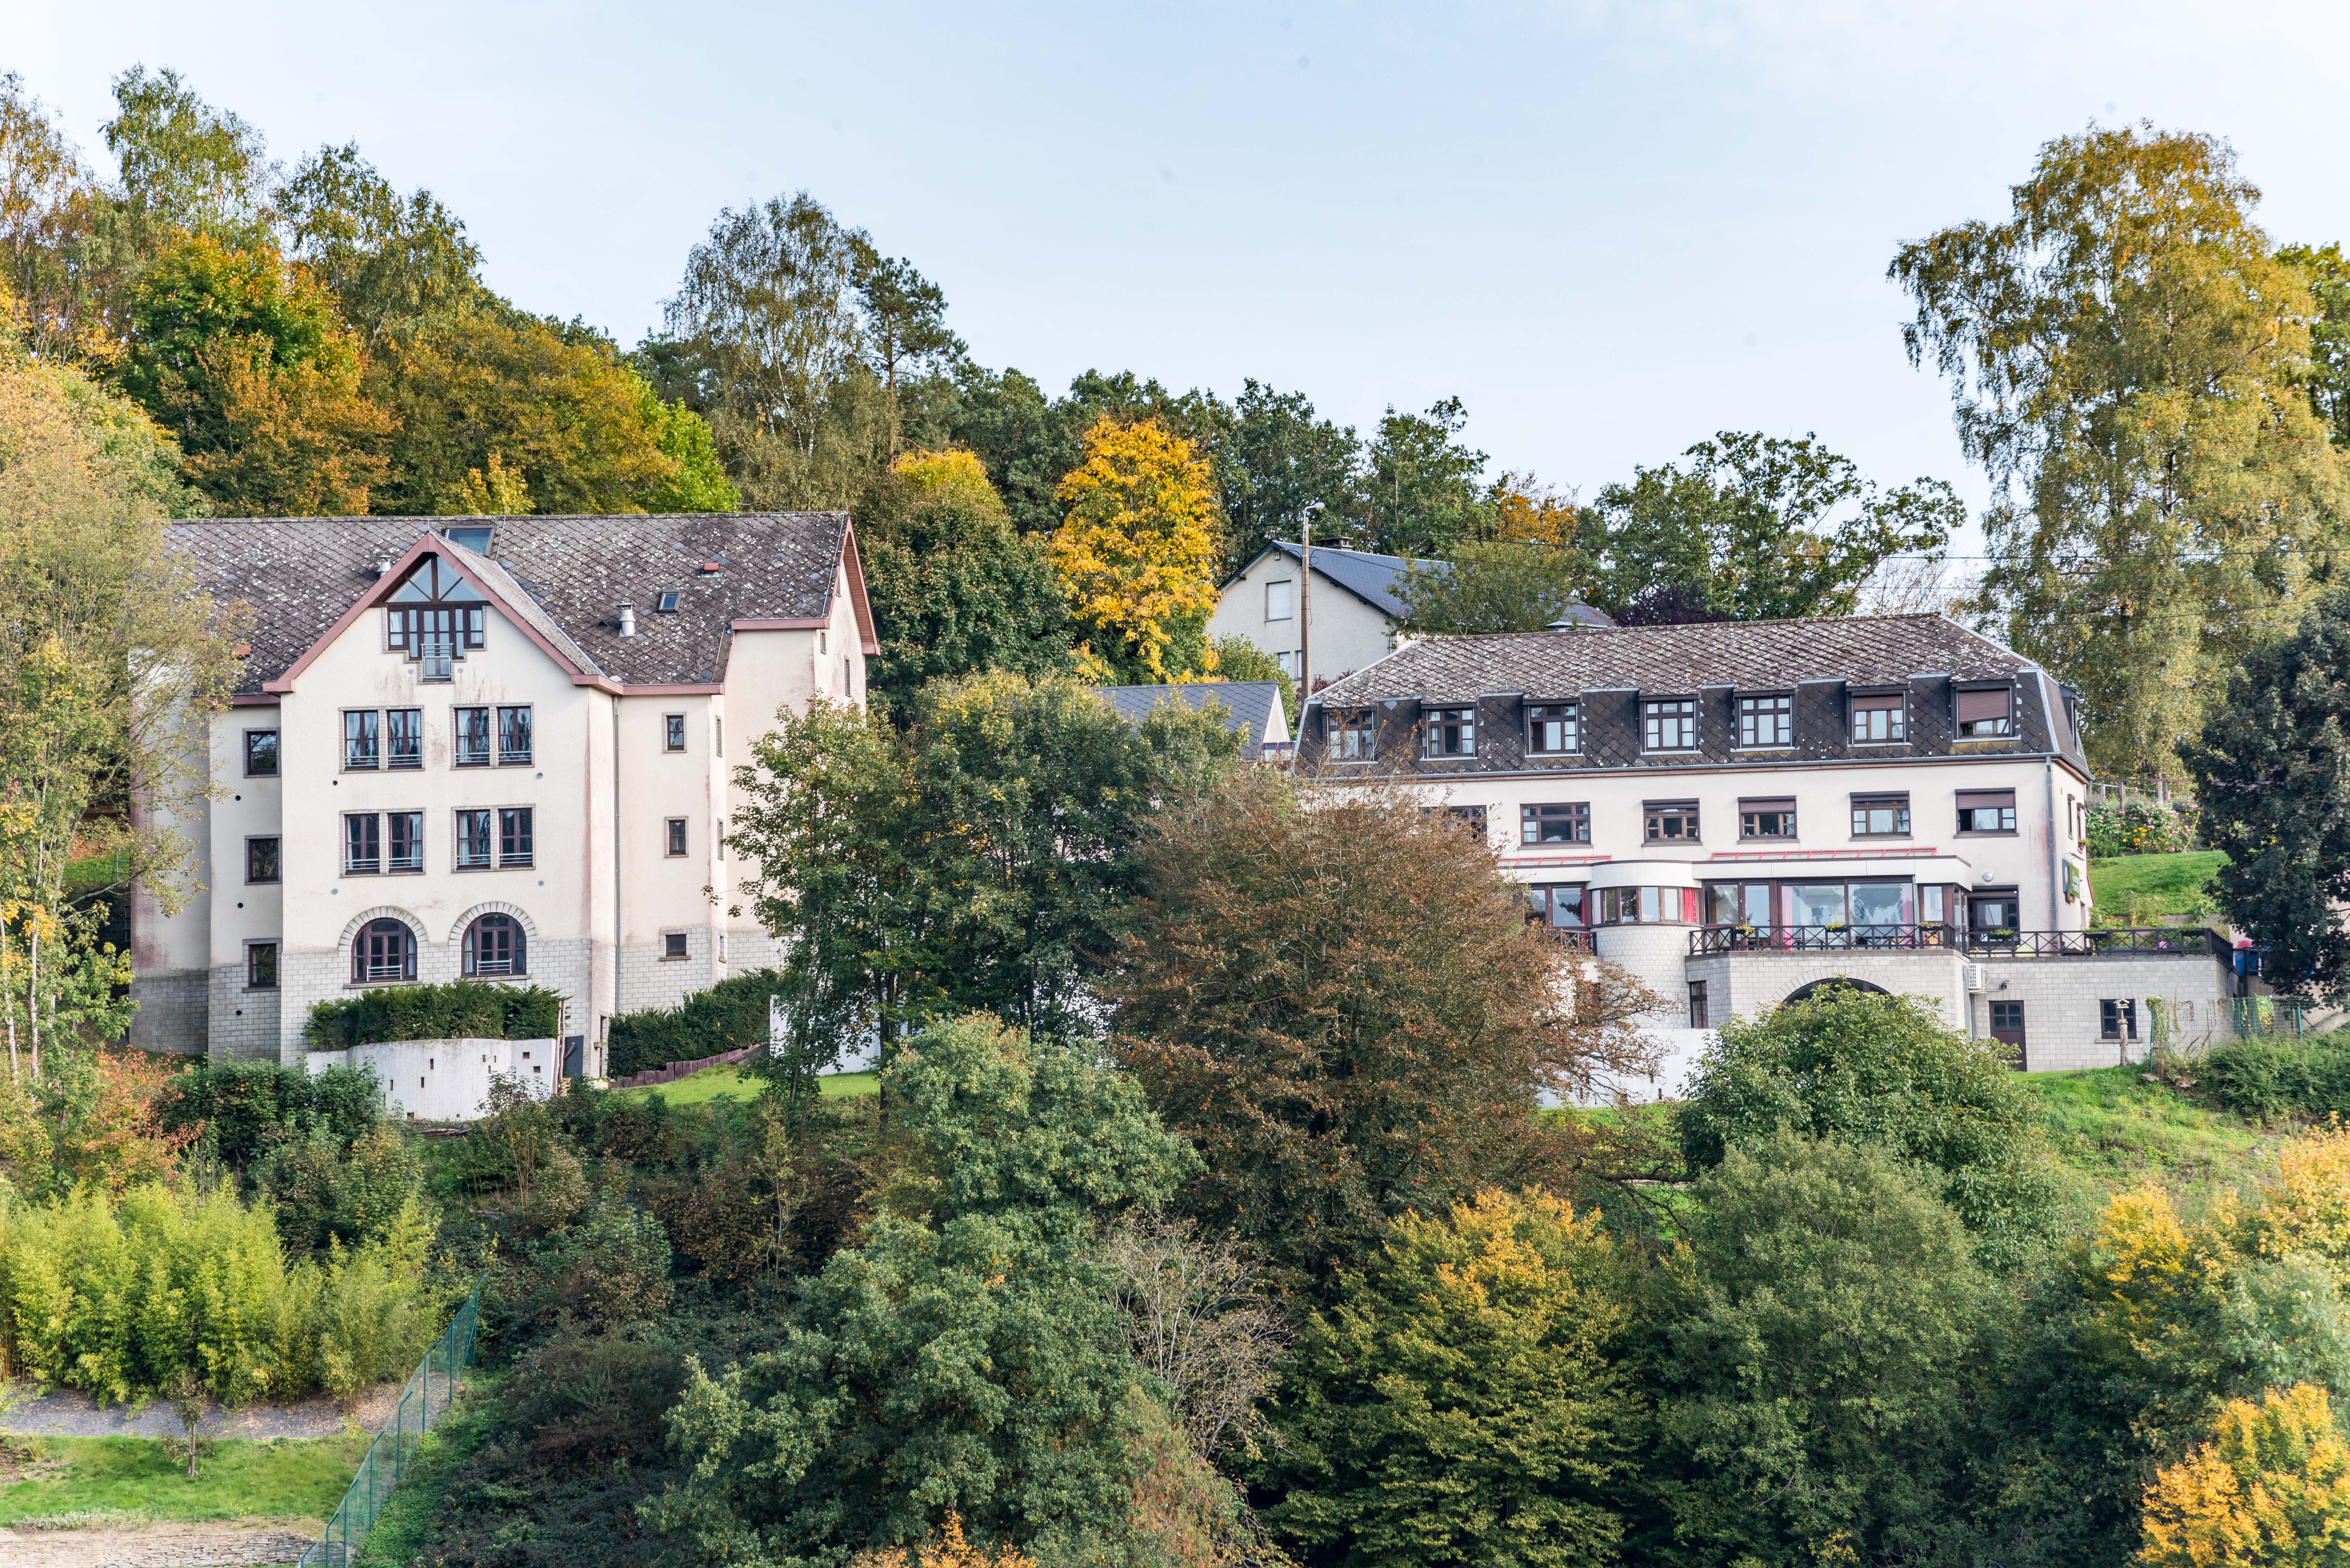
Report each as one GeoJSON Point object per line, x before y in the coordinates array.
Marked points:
{"type": "Point", "coordinates": [246, 1108]}
{"type": "Point", "coordinates": [1883, 1072]}
{"type": "Point", "coordinates": [1464, 1400]}
{"type": "Point", "coordinates": [2141, 829]}
{"type": "Point", "coordinates": [1505, 585]}
{"type": "Point", "coordinates": [95, 1120]}
{"type": "Point", "coordinates": [724, 1017]}
{"type": "Point", "coordinates": [1345, 1010]}
{"type": "Point", "coordinates": [2271, 1486]}
{"type": "Point", "coordinates": [2268, 770]}
{"type": "Point", "coordinates": [2272, 1076]}
{"type": "Point", "coordinates": [1138, 550]}
{"type": "Point", "coordinates": [455, 1010]}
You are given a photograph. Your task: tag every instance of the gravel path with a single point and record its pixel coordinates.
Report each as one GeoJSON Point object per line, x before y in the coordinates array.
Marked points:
{"type": "Point", "coordinates": [229, 1545]}
{"type": "Point", "coordinates": [70, 1412]}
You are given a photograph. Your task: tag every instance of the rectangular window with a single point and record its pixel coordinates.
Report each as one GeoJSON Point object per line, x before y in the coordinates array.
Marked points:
{"type": "Point", "coordinates": [1560, 904]}
{"type": "Point", "coordinates": [1453, 732]}
{"type": "Point", "coordinates": [473, 839]}
{"type": "Point", "coordinates": [514, 737]}
{"type": "Point", "coordinates": [1568, 824]}
{"type": "Point", "coordinates": [1287, 663]}
{"type": "Point", "coordinates": [1278, 601]}
{"type": "Point", "coordinates": [1352, 735]}
{"type": "Point", "coordinates": [261, 754]}
{"type": "Point", "coordinates": [1766, 720]}
{"type": "Point", "coordinates": [1880, 816]}
{"type": "Point", "coordinates": [513, 835]}
{"type": "Point", "coordinates": [673, 731]}
{"type": "Point", "coordinates": [1766, 819]}
{"type": "Point", "coordinates": [406, 840]}
{"type": "Point", "coordinates": [1671, 821]}
{"type": "Point", "coordinates": [1698, 1014]}
{"type": "Point", "coordinates": [718, 726]}
{"type": "Point", "coordinates": [1552, 729]}
{"type": "Point", "coordinates": [1671, 726]}
{"type": "Point", "coordinates": [1985, 714]}
{"type": "Point", "coordinates": [1746, 905]}
{"type": "Point", "coordinates": [1879, 720]}
{"type": "Point", "coordinates": [362, 739]}
{"type": "Point", "coordinates": [672, 944]}
{"type": "Point", "coordinates": [1649, 905]}
{"type": "Point", "coordinates": [261, 861]}
{"type": "Point", "coordinates": [472, 737]}
{"type": "Point", "coordinates": [1986, 810]}
{"type": "Point", "coordinates": [362, 843]}
{"type": "Point", "coordinates": [677, 835]}
{"type": "Point", "coordinates": [2117, 1018]}
{"type": "Point", "coordinates": [403, 738]}
{"type": "Point", "coordinates": [261, 966]}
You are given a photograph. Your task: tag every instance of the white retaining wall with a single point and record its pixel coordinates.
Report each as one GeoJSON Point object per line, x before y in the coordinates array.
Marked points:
{"type": "Point", "coordinates": [447, 1080]}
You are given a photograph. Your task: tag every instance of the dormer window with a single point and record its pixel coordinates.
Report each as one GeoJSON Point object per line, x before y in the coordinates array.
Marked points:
{"type": "Point", "coordinates": [1766, 720]}
{"type": "Point", "coordinates": [1453, 732]}
{"type": "Point", "coordinates": [1877, 720]}
{"type": "Point", "coordinates": [435, 617]}
{"type": "Point", "coordinates": [1671, 725]}
{"type": "Point", "coordinates": [1985, 714]}
{"type": "Point", "coordinates": [1552, 729]}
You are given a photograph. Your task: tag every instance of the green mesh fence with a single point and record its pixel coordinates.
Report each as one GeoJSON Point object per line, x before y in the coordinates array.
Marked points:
{"type": "Point", "coordinates": [423, 1404]}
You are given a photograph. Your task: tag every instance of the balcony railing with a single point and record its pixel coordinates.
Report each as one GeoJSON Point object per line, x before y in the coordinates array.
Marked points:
{"type": "Point", "coordinates": [1574, 938]}
{"type": "Point", "coordinates": [2150, 941]}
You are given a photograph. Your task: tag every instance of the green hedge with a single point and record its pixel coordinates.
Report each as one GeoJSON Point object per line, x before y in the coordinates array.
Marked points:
{"type": "Point", "coordinates": [728, 1016]}
{"type": "Point", "coordinates": [249, 1105]}
{"type": "Point", "coordinates": [2275, 1076]}
{"type": "Point", "coordinates": [462, 1010]}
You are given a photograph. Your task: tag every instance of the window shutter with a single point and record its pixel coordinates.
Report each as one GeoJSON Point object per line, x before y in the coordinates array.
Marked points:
{"type": "Point", "coordinates": [1977, 705]}
{"type": "Point", "coordinates": [1968, 799]}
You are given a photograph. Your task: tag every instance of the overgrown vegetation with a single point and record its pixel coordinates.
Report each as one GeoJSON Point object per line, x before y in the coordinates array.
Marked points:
{"type": "Point", "coordinates": [727, 1016]}
{"type": "Point", "coordinates": [454, 1009]}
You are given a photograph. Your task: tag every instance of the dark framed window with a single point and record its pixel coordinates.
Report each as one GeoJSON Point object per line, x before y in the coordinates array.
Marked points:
{"type": "Point", "coordinates": [435, 617]}
{"type": "Point", "coordinates": [362, 739]}
{"type": "Point", "coordinates": [472, 735]}
{"type": "Point", "coordinates": [1453, 732]}
{"type": "Point", "coordinates": [1766, 721]}
{"type": "Point", "coordinates": [677, 835]}
{"type": "Point", "coordinates": [495, 945]}
{"type": "Point", "coordinates": [514, 737]}
{"type": "Point", "coordinates": [1986, 810]}
{"type": "Point", "coordinates": [384, 950]}
{"type": "Point", "coordinates": [261, 966]}
{"type": "Point", "coordinates": [362, 843]}
{"type": "Point", "coordinates": [1880, 816]}
{"type": "Point", "coordinates": [261, 754]}
{"type": "Point", "coordinates": [1877, 720]}
{"type": "Point", "coordinates": [1353, 735]}
{"type": "Point", "coordinates": [2117, 1018]}
{"type": "Point", "coordinates": [1552, 729]}
{"type": "Point", "coordinates": [1671, 821]}
{"type": "Point", "coordinates": [718, 727]}
{"type": "Point", "coordinates": [1986, 714]}
{"type": "Point", "coordinates": [1997, 910]}
{"type": "Point", "coordinates": [1556, 904]}
{"type": "Point", "coordinates": [1699, 1015]}
{"type": "Point", "coordinates": [1670, 726]}
{"type": "Point", "coordinates": [1567, 824]}
{"type": "Point", "coordinates": [473, 839]}
{"type": "Point", "coordinates": [406, 835]}
{"type": "Point", "coordinates": [672, 944]}
{"type": "Point", "coordinates": [1745, 904]}
{"type": "Point", "coordinates": [673, 731]}
{"type": "Point", "coordinates": [261, 859]}
{"type": "Point", "coordinates": [1280, 599]}
{"type": "Point", "coordinates": [403, 738]}
{"type": "Point", "coordinates": [1766, 818]}
{"type": "Point", "coordinates": [513, 835]}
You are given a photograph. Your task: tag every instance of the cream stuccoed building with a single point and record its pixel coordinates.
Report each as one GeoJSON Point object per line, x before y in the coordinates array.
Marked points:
{"type": "Point", "coordinates": [490, 747]}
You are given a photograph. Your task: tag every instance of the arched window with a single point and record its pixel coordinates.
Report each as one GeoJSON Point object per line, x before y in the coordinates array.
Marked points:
{"type": "Point", "coordinates": [384, 950]}
{"type": "Point", "coordinates": [494, 945]}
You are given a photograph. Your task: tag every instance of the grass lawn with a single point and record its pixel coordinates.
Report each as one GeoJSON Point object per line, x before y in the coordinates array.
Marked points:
{"type": "Point", "coordinates": [726, 1084]}
{"type": "Point", "coordinates": [133, 1478]}
{"type": "Point", "coordinates": [2114, 1130]}
{"type": "Point", "coordinates": [2163, 884]}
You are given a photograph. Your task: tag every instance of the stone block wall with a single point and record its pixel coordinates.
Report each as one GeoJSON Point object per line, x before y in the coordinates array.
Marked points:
{"type": "Point", "coordinates": [173, 1012]}
{"type": "Point", "coordinates": [244, 1024]}
{"type": "Point", "coordinates": [2061, 997]}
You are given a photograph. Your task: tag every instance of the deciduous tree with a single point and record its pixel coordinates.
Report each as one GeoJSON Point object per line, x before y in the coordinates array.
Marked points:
{"type": "Point", "coordinates": [1138, 550]}
{"type": "Point", "coordinates": [1502, 585]}
{"type": "Point", "coordinates": [2270, 1489]}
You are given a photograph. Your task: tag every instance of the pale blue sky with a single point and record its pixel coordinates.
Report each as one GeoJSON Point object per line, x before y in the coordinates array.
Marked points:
{"type": "Point", "coordinates": [1611, 229]}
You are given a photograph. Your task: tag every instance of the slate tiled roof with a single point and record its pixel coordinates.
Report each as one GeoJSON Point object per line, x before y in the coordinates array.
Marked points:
{"type": "Point", "coordinates": [1254, 704]}
{"type": "Point", "coordinates": [1373, 578]}
{"type": "Point", "coordinates": [1608, 672]}
{"type": "Point", "coordinates": [299, 575]}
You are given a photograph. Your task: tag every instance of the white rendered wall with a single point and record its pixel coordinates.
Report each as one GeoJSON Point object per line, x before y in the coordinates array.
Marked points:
{"type": "Point", "coordinates": [1348, 634]}
{"type": "Point", "coordinates": [446, 1080]}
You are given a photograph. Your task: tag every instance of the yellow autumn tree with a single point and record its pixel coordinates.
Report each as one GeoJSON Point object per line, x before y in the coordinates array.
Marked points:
{"type": "Point", "coordinates": [2304, 1209]}
{"type": "Point", "coordinates": [1136, 551]}
{"type": "Point", "coordinates": [956, 473]}
{"type": "Point", "coordinates": [2272, 1490]}
{"type": "Point", "coordinates": [949, 1551]}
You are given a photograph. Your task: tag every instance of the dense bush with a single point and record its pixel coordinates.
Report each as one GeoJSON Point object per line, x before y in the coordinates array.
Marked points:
{"type": "Point", "coordinates": [2268, 1076]}
{"type": "Point", "coordinates": [2142, 827]}
{"type": "Point", "coordinates": [1867, 1068]}
{"type": "Point", "coordinates": [728, 1016]}
{"type": "Point", "coordinates": [120, 1299]}
{"type": "Point", "coordinates": [247, 1108]}
{"type": "Point", "coordinates": [461, 1009]}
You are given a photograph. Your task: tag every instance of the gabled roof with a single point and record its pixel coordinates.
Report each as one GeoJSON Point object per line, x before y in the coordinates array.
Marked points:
{"type": "Point", "coordinates": [1681, 661]}
{"type": "Point", "coordinates": [1373, 578]}
{"type": "Point", "coordinates": [561, 579]}
{"type": "Point", "coordinates": [1254, 706]}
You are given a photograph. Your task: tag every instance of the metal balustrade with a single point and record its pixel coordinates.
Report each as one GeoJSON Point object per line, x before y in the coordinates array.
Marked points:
{"type": "Point", "coordinates": [2179, 941]}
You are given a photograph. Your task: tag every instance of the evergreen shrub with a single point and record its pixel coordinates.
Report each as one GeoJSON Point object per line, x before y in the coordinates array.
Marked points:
{"type": "Point", "coordinates": [461, 1009]}
{"type": "Point", "coordinates": [2271, 1076]}
{"type": "Point", "coordinates": [728, 1016]}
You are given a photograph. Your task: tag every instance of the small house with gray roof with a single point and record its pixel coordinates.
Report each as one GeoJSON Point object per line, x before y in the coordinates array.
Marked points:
{"type": "Point", "coordinates": [1251, 709]}
{"type": "Point", "coordinates": [489, 748]}
{"type": "Point", "coordinates": [1741, 813]}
